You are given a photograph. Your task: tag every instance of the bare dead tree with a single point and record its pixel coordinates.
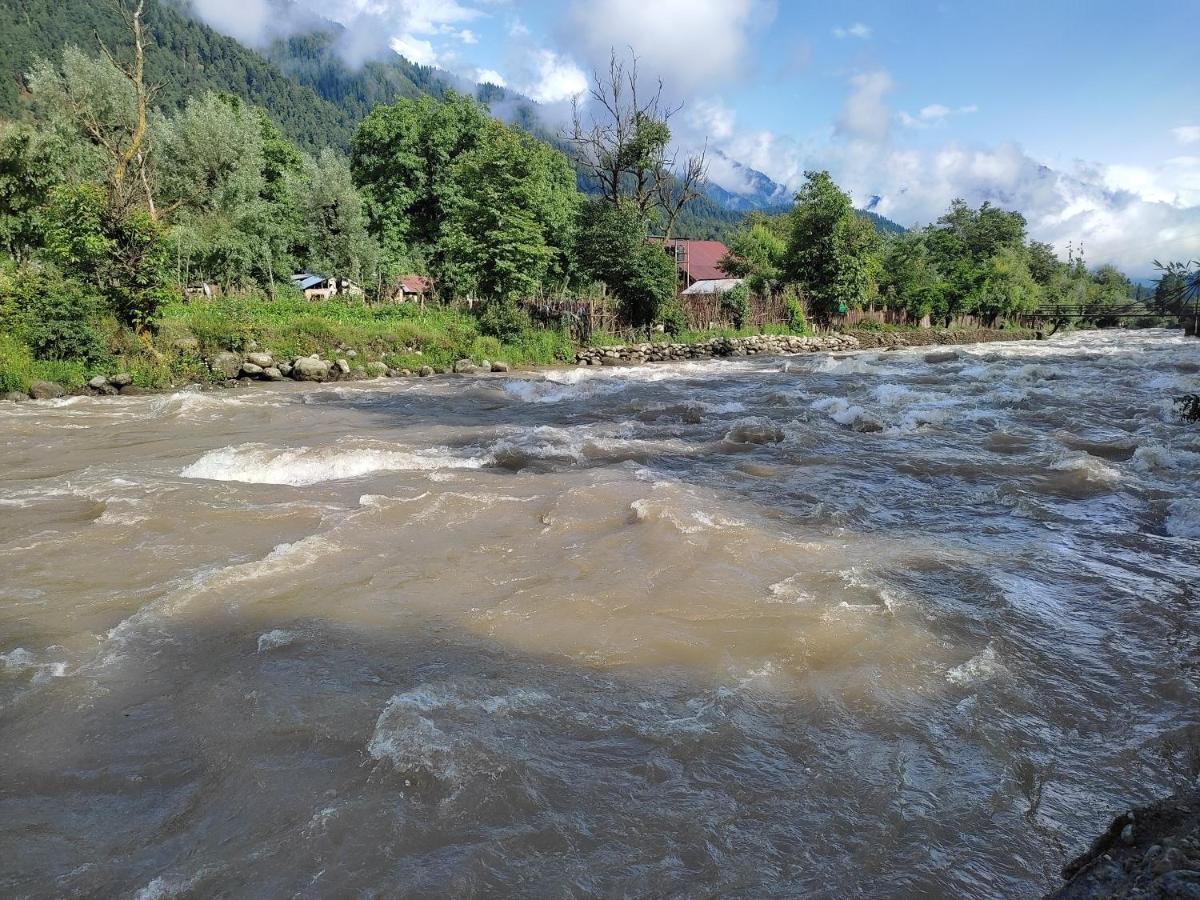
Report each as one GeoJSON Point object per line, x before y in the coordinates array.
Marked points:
{"type": "Point", "coordinates": [135, 151]}
{"type": "Point", "coordinates": [621, 141]}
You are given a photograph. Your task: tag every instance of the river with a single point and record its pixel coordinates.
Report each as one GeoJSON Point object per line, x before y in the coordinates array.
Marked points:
{"type": "Point", "coordinates": [840, 625]}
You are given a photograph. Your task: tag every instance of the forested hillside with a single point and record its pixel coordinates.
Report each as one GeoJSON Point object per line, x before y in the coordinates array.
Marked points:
{"type": "Point", "coordinates": [186, 59]}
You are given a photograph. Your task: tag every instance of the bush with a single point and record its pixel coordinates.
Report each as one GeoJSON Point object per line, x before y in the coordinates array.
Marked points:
{"type": "Point", "coordinates": [797, 322]}
{"type": "Point", "coordinates": [55, 316]}
{"type": "Point", "coordinates": [504, 320]}
{"type": "Point", "coordinates": [672, 316]}
{"type": "Point", "coordinates": [736, 302]}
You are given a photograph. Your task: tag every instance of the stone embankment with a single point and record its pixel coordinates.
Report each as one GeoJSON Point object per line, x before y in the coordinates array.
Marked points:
{"type": "Point", "coordinates": [781, 344]}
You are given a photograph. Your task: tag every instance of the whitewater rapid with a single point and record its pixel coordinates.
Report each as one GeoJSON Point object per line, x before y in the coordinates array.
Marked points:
{"type": "Point", "coordinates": [849, 624]}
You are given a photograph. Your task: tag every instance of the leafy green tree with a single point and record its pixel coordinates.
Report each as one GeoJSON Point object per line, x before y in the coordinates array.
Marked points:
{"type": "Point", "coordinates": [909, 279]}
{"type": "Point", "coordinates": [613, 249]}
{"type": "Point", "coordinates": [401, 158]}
{"type": "Point", "coordinates": [336, 240]}
{"type": "Point", "coordinates": [830, 250]}
{"type": "Point", "coordinates": [1006, 287]}
{"type": "Point", "coordinates": [509, 215]}
{"type": "Point", "coordinates": [757, 250]}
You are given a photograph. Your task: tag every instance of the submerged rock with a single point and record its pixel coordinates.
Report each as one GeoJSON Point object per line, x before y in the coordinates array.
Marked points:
{"type": "Point", "coordinates": [941, 356]}
{"type": "Point", "coordinates": [1152, 851]}
{"type": "Point", "coordinates": [425, 371]}
{"type": "Point", "coordinates": [758, 431]}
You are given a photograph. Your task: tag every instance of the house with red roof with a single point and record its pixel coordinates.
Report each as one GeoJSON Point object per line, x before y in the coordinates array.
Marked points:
{"type": "Point", "coordinates": [696, 260]}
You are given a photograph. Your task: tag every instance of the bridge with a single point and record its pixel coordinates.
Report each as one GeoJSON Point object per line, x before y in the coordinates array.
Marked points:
{"type": "Point", "coordinates": [1060, 314]}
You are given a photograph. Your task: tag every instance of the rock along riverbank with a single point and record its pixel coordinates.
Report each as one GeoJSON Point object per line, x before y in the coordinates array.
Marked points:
{"type": "Point", "coordinates": [229, 368]}
{"type": "Point", "coordinates": [786, 344]}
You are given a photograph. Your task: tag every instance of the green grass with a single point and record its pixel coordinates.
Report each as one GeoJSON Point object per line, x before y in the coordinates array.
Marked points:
{"type": "Point", "coordinates": [18, 368]}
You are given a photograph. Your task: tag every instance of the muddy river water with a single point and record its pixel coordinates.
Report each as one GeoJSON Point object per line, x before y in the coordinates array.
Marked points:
{"type": "Point", "coordinates": [850, 625]}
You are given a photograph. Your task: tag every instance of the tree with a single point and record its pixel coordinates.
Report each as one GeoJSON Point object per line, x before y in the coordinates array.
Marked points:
{"type": "Point", "coordinates": [909, 278]}
{"type": "Point", "coordinates": [401, 159]}
{"type": "Point", "coordinates": [757, 250]}
{"type": "Point", "coordinates": [335, 236]}
{"type": "Point", "coordinates": [107, 104]}
{"type": "Point", "coordinates": [621, 141]}
{"type": "Point", "coordinates": [510, 212]}
{"type": "Point", "coordinates": [830, 249]}
{"type": "Point", "coordinates": [229, 224]}
{"type": "Point", "coordinates": [1006, 286]}
{"type": "Point", "coordinates": [612, 248]}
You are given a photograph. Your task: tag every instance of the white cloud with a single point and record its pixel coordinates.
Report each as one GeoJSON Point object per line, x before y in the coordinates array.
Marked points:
{"type": "Point", "coordinates": [467, 36]}
{"type": "Point", "coordinates": [415, 50]}
{"type": "Point", "coordinates": [865, 115]}
{"type": "Point", "coordinates": [933, 114]}
{"type": "Point", "coordinates": [688, 43]}
{"type": "Point", "coordinates": [1187, 134]}
{"type": "Point", "coordinates": [489, 76]}
{"type": "Point", "coordinates": [711, 117]}
{"type": "Point", "coordinates": [551, 78]}
{"type": "Point", "coordinates": [1125, 215]}
{"type": "Point", "coordinates": [857, 30]}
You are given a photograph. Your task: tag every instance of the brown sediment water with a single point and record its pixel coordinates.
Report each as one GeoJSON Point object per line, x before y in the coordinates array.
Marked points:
{"type": "Point", "coordinates": [864, 625]}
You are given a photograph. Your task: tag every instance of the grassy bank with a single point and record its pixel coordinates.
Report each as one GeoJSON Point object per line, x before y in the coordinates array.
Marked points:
{"type": "Point", "coordinates": [402, 337]}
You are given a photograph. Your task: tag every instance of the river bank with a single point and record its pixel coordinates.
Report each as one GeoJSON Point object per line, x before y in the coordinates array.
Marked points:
{"type": "Point", "coordinates": [227, 367]}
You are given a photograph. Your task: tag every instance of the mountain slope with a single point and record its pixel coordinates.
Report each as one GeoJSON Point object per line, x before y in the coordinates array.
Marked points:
{"type": "Point", "coordinates": [186, 58]}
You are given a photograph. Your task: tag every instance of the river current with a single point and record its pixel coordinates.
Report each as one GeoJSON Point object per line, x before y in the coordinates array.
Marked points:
{"type": "Point", "coordinates": [849, 625]}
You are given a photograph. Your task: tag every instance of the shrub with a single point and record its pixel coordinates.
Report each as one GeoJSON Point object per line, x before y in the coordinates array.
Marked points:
{"type": "Point", "coordinates": [55, 316]}
{"type": "Point", "coordinates": [796, 320]}
{"type": "Point", "coordinates": [736, 302]}
{"type": "Point", "coordinates": [672, 316]}
{"type": "Point", "coordinates": [504, 320]}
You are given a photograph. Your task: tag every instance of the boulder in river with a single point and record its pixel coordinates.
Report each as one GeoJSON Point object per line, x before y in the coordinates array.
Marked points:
{"type": "Point", "coordinates": [941, 356]}
{"type": "Point", "coordinates": [14, 396]}
{"type": "Point", "coordinates": [500, 366]}
{"type": "Point", "coordinates": [251, 370]}
{"type": "Point", "coordinates": [225, 363]}
{"type": "Point", "coordinates": [260, 359]}
{"type": "Point", "coordinates": [343, 366]}
{"type": "Point", "coordinates": [755, 431]}
{"type": "Point", "coordinates": [98, 383]}
{"type": "Point", "coordinates": [466, 367]}
{"type": "Point", "coordinates": [272, 373]}
{"type": "Point", "coordinates": [46, 390]}
{"type": "Point", "coordinates": [425, 371]}
{"type": "Point", "coordinates": [120, 379]}
{"type": "Point", "coordinates": [310, 368]}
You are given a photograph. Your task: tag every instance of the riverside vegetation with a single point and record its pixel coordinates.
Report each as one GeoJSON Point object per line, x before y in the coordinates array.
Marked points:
{"type": "Point", "coordinates": [110, 207]}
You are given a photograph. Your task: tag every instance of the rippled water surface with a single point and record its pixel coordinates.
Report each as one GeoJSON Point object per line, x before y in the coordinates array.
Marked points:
{"type": "Point", "coordinates": [832, 625]}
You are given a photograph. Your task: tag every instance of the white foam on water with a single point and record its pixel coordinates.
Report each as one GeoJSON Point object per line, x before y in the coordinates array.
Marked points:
{"type": "Point", "coordinates": [1157, 458]}
{"type": "Point", "coordinates": [1089, 467]}
{"type": "Point", "coordinates": [275, 638]}
{"type": "Point", "coordinates": [1183, 518]}
{"type": "Point", "coordinates": [981, 667]}
{"type": "Point", "coordinates": [789, 591]}
{"type": "Point", "coordinates": [841, 410]}
{"type": "Point", "coordinates": [20, 660]}
{"type": "Point", "coordinates": [299, 466]}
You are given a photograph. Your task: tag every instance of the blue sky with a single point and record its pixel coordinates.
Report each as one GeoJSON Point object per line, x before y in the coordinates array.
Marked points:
{"type": "Point", "coordinates": [1085, 116]}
